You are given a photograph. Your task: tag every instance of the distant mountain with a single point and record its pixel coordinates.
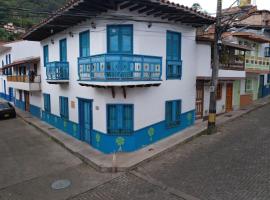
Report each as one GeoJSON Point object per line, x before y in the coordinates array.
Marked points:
{"type": "Point", "coordinates": [24, 14]}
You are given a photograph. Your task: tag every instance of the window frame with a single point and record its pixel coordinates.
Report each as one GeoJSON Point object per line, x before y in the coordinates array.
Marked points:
{"type": "Point", "coordinates": [81, 34]}
{"type": "Point", "coordinates": [118, 117]}
{"type": "Point", "coordinates": [177, 121]}
{"type": "Point", "coordinates": [171, 62]}
{"type": "Point", "coordinates": [45, 54]}
{"type": "Point", "coordinates": [64, 107]}
{"type": "Point", "coordinates": [120, 39]}
{"type": "Point", "coordinates": [47, 102]}
{"type": "Point", "coordinates": [251, 85]}
{"type": "Point", "coordinates": [63, 52]}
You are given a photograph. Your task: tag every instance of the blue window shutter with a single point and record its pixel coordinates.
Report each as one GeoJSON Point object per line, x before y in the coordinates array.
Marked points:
{"type": "Point", "coordinates": [126, 39]}
{"type": "Point", "coordinates": [64, 111]}
{"type": "Point", "coordinates": [63, 50]}
{"type": "Point", "coordinates": [119, 117]}
{"type": "Point", "coordinates": [168, 111]}
{"type": "Point", "coordinates": [113, 39]}
{"type": "Point", "coordinates": [120, 39]}
{"type": "Point", "coordinates": [45, 55]}
{"type": "Point", "coordinates": [84, 44]}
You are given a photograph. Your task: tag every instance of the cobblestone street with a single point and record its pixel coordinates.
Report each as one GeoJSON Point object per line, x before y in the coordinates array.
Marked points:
{"type": "Point", "coordinates": [232, 164]}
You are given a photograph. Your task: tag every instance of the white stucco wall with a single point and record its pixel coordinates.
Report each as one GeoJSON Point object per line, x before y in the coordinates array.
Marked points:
{"type": "Point", "coordinates": [149, 103]}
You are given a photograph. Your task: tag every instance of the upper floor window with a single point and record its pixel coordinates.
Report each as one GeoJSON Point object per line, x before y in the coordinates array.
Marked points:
{"type": "Point", "coordinates": [7, 60]}
{"type": "Point", "coordinates": [174, 63]}
{"type": "Point", "coordinates": [63, 50]}
{"type": "Point", "coordinates": [63, 102]}
{"type": "Point", "coordinates": [84, 44]}
{"type": "Point", "coordinates": [267, 52]}
{"type": "Point", "coordinates": [47, 102]}
{"type": "Point", "coordinates": [173, 113]}
{"type": "Point", "coordinates": [45, 55]}
{"type": "Point", "coordinates": [120, 118]}
{"type": "Point", "coordinates": [120, 39]}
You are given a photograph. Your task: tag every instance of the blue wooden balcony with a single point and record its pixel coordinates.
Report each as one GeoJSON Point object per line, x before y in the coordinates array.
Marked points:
{"type": "Point", "coordinates": [57, 72]}
{"type": "Point", "coordinates": [119, 70]}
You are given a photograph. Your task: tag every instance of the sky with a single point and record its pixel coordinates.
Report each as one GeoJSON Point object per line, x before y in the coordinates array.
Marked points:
{"type": "Point", "coordinates": [210, 5]}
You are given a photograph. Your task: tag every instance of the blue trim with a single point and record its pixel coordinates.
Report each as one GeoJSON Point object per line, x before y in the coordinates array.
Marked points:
{"type": "Point", "coordinates": [120, 67]}
{"type": "Point", "coordinates": [66, 126]}
{"type": "Point", "coordinates": [118, 127]}
{"type": "Point", "coordinates": [57, 70]}
{"type": "Point", "coordinates": [64, 107]}
{"type": "Point", "coordinates": [81, 124]}
{"type": "Point", "coordinates": [84, 43]}
{"type": "Point", "coordinates": [20, 104]}
{"type": "Point", "coordinates": [35, 111]}
{"type": "Point", "coordinates": [120, 42]}
{"type": "Point", "coordinates": [63, 50]}
{"type": "Point", "coordinates": [45, 55]}
{"type": "Point", "coordinates": [173, 55]}
{"type": "Point", "coordinates": [107, 143]}
{"type": "Point", "coordinates": [47, 102]}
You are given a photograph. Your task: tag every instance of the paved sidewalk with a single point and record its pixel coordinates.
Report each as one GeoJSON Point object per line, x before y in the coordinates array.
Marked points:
{"type": "Point", "coordinates": [128, 161]}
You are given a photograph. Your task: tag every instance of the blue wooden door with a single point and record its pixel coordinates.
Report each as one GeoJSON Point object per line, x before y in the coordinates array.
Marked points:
{"type": "Point", "coordinates": [85, 120]}
{"type": "Point", "coordinates": [10, 94]}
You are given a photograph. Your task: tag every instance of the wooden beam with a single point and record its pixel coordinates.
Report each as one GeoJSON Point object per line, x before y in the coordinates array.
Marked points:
{"type": "Point", "coordinates": [147, 8]}
{"type": "Point", "coordinates": [136, 7]}
{"type": "Point", "coordinates": [126, 5]}
{"type": "Point", "coordinates": [153, 12]}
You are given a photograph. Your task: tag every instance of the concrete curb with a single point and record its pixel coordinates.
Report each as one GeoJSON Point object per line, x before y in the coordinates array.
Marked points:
{"type": "Point", "coordinates": [129, 161]}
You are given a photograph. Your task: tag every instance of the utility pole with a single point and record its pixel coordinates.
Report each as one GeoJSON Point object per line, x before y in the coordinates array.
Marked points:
{"type": "Point", "coordinates": [215, 68]}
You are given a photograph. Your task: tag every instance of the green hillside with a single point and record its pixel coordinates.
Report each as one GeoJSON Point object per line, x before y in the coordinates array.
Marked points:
{"type": "Point", "coordinates": [24, 14]}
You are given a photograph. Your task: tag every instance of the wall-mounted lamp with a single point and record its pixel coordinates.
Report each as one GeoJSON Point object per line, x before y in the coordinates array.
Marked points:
{"type": "Point", "coordinates": [51, 31]}
{"type": "Point", "coordinates": [52, 41]}
{"type": "Point", "coordinates": [93, 25]}
{"type": "Point", "coordinates": [149, 25]}
{"type": "Point", "coordinates": [71, 34]}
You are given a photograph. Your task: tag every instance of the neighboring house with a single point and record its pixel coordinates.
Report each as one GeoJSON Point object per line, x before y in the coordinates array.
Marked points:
{"type": "Point", "coordinates": [121, 76]}
{"type": "Point", "coordinates": [256, 34]}
{"type": "Point", "coordinates": [244, 63]}
{"type": "Point", "coordinates": [231, 83]}
{"type": "Point", "coordinates": [20, 75]}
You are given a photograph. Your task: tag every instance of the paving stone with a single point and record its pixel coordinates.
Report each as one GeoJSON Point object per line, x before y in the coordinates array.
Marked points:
{"type": "Point", "coordinates": [127, 187]}
{"type": "Point", "coordinates": [231, 165]}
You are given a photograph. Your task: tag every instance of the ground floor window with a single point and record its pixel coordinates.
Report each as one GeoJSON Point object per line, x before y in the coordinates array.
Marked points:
{"type": "Point", "coordinates": [248, 85]}
{"type": "Point", "coordinates": [63, 103]}
{"type": "Point", "coordinates": [47, 102]}
{"type": "Point", "coordinates": [120, 118]}
{"type": "Point", "coordinates": [173, 113]}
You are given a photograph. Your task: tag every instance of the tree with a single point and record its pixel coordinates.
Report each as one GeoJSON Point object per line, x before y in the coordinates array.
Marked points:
{"type": "Point", "coordinates": [197, 7]}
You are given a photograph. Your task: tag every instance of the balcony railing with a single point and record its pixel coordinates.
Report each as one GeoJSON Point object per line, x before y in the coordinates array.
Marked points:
{"type": "Point", "coordinates": [24, 79]}
{"type": "Point", "coordinates": [57, 71]}
{"type": "Point", "coordinates": [119, 67]}
{"type": "Point", "coordinates": [254, 63]}
{"type": "Point", "coordinates": [232, 62]}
